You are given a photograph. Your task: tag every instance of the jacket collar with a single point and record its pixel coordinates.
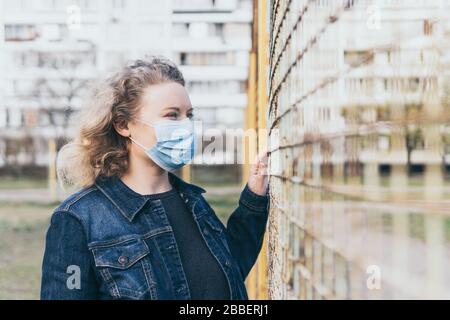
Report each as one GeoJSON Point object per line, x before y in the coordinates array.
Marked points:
{"type": "Point", "coordinates": [130, 202]}
{"type": "Point", "coordinates": [183, 186]}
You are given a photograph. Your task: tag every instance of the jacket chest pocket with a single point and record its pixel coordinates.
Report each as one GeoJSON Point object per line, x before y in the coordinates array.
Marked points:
{"type": "Point", "coordinates": [124, 268]}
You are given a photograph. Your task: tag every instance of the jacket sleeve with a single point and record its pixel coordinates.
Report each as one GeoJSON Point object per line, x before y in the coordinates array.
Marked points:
{"type": "Point", "coordinates": [246, 227]}
{"type": "Point", "coordinates": [67, 272]}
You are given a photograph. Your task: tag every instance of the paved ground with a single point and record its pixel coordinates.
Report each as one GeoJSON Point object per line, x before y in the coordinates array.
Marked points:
{"type": "Point", "coordinates": [26, 195]}
{"type": "Point", "coordinates": [42, 196]}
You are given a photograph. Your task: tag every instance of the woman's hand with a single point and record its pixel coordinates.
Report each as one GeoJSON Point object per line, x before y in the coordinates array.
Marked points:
{"type": "Point", "coordinates": [258, 180]}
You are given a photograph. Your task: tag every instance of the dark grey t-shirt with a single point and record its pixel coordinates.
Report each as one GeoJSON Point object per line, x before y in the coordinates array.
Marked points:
{"type": "Point", "coordinates": [205, 277]}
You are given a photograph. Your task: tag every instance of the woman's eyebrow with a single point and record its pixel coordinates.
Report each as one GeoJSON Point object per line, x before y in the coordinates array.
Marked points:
{"type": "Point", "coordinates": [176, 108]}
{"type": "Point", "coordinates": [171, 108]}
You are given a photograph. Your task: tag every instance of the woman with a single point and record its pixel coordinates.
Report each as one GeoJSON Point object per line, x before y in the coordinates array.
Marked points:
{"type": "Point", "coordinates": [135, 230]}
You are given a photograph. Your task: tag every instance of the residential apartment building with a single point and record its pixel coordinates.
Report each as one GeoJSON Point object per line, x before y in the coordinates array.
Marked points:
{"type": "Point", "coordinates": [51, 50]}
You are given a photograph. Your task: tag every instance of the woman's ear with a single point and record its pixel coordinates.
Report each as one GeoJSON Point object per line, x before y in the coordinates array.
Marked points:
{"type": "Point", "coordinates": [122, 127]}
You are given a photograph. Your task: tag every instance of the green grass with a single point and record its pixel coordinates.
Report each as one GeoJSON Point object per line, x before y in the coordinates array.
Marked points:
{"type": "Point", "coordinates": [22, 227]}
{"type": "Point", "coordinates": [20, 263]}
{"type": "Point", "coordinates": [22, 183]}
{"type": "Point", "coordinates": [223, 205]}
{"type": "Point", "coordinates": [215, 176]}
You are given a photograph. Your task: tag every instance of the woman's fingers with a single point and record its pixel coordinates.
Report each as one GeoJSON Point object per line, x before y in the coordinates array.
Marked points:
{"type": "Point", "coordinates": [258, 180]}
{"type": "Point", "coordinates": [260, 165]}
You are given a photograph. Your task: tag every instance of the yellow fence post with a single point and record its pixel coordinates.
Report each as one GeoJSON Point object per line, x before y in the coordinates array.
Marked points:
{"type": "Point", "coordinates": [256, 120]}
{"type": "Point", "coordinates": [248, 147]}
{"type": "Point", "coordinates": [52, 168]}
{"type": "Point", "coordinates": [186, 173]}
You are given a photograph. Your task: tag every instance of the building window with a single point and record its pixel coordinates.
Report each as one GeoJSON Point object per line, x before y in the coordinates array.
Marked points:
{"type": "Point", "coordinates": [207, 58]}
{"type": "Point", "coordinates": [20, 32]}
{"type": "Point", "coordinates": [427, 28]}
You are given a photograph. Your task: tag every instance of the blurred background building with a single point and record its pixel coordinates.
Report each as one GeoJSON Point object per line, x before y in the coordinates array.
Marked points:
{"type": "Point", "coordinates": [51, 51]}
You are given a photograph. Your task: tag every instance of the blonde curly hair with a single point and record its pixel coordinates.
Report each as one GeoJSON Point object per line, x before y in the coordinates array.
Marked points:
{"type": "Point", "coordinates": [97, 148]}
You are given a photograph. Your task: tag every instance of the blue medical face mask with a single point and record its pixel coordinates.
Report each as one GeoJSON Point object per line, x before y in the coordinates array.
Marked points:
{"type": "Point", "coordinates": [175, 143]}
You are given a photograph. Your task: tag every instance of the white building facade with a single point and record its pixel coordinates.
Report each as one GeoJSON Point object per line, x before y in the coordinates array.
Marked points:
{"type": "Point", "coordinates": [50, 51]}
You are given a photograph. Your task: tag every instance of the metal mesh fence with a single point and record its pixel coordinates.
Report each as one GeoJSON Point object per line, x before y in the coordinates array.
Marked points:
{"type": "Point", "coordinates": [359, 140]}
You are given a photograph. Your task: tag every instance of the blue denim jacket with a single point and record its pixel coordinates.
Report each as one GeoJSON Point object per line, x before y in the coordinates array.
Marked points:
{"type": "Point", "coordinates": [101, 245]}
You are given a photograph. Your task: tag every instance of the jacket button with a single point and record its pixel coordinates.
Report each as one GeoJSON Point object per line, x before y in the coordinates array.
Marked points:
{"type": "Point", "coordinates": [180, 289]}
{"type": "Point", "coordinates": [205, 231]}
{"type": "Point", "coordinates": [123, 260]}
{"type": "Point", "coordinates": [228, 263]}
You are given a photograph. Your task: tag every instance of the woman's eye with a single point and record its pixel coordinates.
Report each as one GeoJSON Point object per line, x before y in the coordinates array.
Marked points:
{"type": "Point", "coordinates": [190, 116]}
{"type": "Point", "coordinates": [171, 115]}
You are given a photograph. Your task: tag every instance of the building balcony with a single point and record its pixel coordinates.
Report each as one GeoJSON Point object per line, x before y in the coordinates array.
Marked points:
{"type": "Point", "coordinates": [219, 100]}
{"type": "Point", "coordinates": [194, 73]}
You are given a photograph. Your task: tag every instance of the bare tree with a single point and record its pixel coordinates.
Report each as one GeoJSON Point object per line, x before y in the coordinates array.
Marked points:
{"type": "Point", "coordinates": [56, 98]}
